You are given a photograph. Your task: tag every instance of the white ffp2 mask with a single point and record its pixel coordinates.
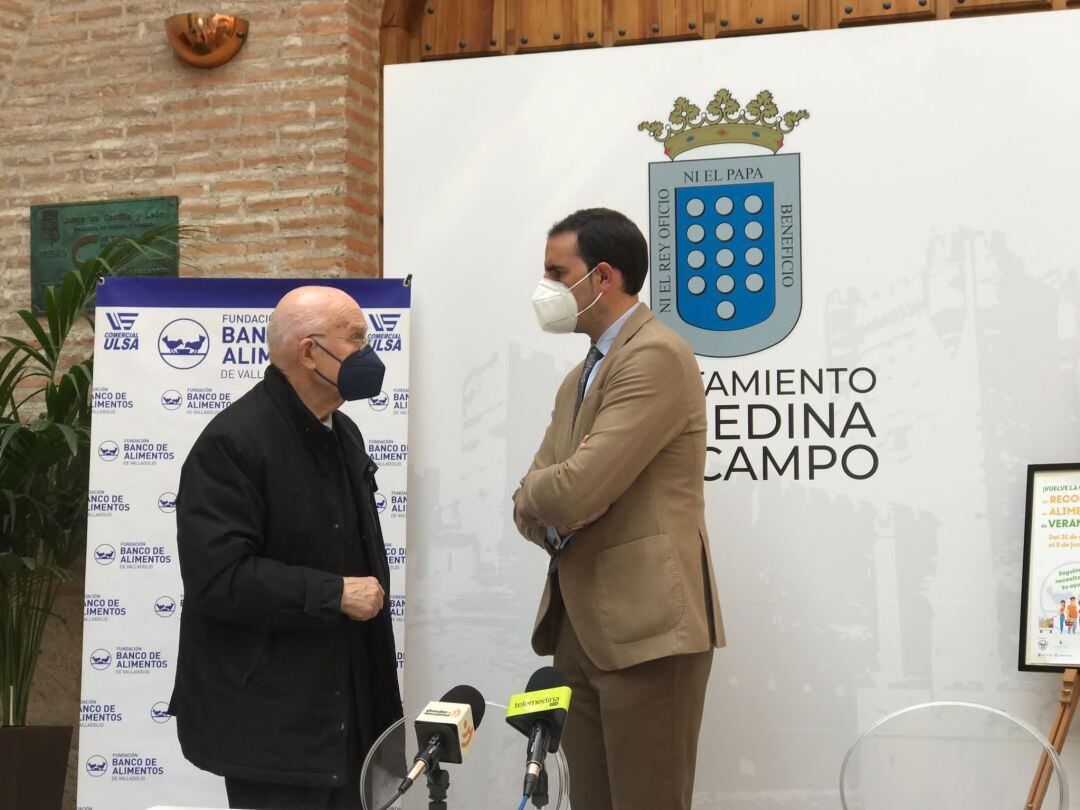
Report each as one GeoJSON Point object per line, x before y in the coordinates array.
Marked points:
{"type": "Point", "coordinates": [555, 306]}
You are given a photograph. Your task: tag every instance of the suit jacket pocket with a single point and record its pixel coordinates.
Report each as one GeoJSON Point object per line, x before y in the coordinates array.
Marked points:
{"type": "Point", "coordinates": [639, 590]}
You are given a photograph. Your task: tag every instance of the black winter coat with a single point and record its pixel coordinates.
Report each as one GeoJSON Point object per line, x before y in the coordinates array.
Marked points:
{"type": "Point", "coordinates": [263, 671]}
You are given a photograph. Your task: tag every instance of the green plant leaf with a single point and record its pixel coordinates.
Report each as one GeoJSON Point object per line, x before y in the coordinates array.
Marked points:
{"type": "Point", "coordinates": [28, 349]}
{"type": "Point", "coordinates": [47, 346]}
{"type": "Point", "coordinates": [44, 463]}
{"type": "Point", "coordinates": [11, 563]}
{"type": "Point", "coordinates": [52, 316]}
{"type": "Point", "coordinates": [9, 434]}
{"type": "Point", "coordinates": [70, 437]}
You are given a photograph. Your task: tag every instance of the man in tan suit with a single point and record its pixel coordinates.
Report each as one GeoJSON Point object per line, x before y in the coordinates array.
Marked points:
{"type": "Point", "coordinates": [615, 495]}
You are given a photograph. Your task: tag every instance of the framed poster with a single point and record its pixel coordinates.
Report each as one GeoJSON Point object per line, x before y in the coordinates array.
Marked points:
{"type": "Point", "coordinates": [1050, 605]}
{"type": "Point", "coordinates": [63, 235]}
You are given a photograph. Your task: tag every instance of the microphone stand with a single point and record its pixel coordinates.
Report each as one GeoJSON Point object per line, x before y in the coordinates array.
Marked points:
{"type": "Point", "coordinates": [438, 782]}
{"type": "Point", "coordinates": [540, 792]}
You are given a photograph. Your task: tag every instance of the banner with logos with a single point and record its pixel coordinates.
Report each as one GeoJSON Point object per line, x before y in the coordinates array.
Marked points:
{"type": "Point", "coordinates": [169, 354]}
{"type": "Point", "coordinates": [868, 241]}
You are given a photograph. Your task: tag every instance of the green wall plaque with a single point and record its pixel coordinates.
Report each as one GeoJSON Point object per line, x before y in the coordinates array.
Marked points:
{"type": "Point", "coordinates": [64, 235]}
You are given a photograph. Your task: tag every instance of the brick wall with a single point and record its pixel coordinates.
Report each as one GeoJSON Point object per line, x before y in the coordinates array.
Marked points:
{"type": "Point", "coordinates": [275, 153]}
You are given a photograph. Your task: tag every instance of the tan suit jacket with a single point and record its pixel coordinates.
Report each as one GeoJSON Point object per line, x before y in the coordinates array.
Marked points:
{"type": "Point", "coordinates": [638, 583]}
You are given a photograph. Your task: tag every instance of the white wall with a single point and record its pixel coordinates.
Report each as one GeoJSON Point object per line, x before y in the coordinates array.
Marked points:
{"type": "Point", "coordinates": [939, 199]}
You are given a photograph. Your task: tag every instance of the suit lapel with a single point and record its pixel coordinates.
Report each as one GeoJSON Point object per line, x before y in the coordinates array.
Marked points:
{"type": "Point", "coordinates": [641, 316]}
{"type": "Point", "coordinates": [564, 414]}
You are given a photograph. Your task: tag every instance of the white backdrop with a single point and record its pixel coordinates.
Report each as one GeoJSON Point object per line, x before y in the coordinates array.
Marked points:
{"type": "Point", "coordinates": [939, 200]}
{"type": "Point", "coordinates": [169, 354]}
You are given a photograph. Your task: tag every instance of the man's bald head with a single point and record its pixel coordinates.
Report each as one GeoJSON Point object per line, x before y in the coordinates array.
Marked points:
{"type": "Point", "coordinates": [309, 311]}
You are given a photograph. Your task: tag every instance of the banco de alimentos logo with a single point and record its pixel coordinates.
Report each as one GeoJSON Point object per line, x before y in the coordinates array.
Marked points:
{"type": "Point", "coordinates": [166, 502]}
{"type": "Point", "coordinates": [100, 659]}
{"type": "Point", "coordinates": [183, 343]}
{"type": "Point", "coordinates": [165, 607]}
{"type": "Point", "coordinates": [726, 253]}
{"type": "Point", "coordinates": [97, 765]}
{"type": "Point", "coordinates": [104, 554]}
{"type": "Point", "coordinates": [159, 712]}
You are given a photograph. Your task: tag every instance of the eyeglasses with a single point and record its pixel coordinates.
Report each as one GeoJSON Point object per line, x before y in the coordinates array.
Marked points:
{"type": "Point", "coordinates": [358, 342]}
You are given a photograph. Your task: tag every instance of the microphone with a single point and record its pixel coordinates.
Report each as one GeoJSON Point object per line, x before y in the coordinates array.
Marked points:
{"type": "Point", "coordinates": [445, 731]}
{"type": "Point", "coordinates": [540, 714]}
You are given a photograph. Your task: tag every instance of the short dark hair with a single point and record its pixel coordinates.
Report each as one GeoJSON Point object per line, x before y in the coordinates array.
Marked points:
{"type": "Point", "coordinates": [604, 235]}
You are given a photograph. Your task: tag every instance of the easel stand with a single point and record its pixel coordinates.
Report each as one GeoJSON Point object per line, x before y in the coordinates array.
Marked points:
{"type": "Point", "coordinates": [1066, 708]}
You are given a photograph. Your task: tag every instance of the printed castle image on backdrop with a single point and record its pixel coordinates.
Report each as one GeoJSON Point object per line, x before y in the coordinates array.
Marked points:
{"type": "Point", "coordinates": [726, 253]}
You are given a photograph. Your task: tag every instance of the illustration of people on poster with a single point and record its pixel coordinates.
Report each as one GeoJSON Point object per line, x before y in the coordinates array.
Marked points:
{"type": "Point", "coordinates": [1050, 635]}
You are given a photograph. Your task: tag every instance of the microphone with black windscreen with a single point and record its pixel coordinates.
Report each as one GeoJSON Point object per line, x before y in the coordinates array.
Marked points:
{"type": "Point", "coordinates": [445, 731]}
{"type": "Point", "coordinates": [540, 714]}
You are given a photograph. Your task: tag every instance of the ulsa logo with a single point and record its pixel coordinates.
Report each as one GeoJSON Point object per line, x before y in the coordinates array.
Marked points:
{"type": "Point", "coordinates": [726, 247]}
{"type": "Point", "coordinates": [100, 660]}
{"type": "Point", "coordinates": [183, 343]}
{"type": "Point", "coordinates": [386, 321]}
{"type": "Point", "coordinates": [171, 400]}
{"type": "Point", "coordinates": [165, 607]}
{"type": "Point", "coordinates": [104, 554]}
{"type": "Point", "coordinates": [121, 335]}
{"type": "Point", "coordinates": [108, 451]}
{"type": "Point", "coordinates": [166, 502]}
{"type": "Point", "coordinates": [384, 336]}
{"type": "Point", "coordinates": [97, 765]}
{"type": "Point", "coordinates": [379, 402]}
{"type": "Point", "coordinates": [159, 712]}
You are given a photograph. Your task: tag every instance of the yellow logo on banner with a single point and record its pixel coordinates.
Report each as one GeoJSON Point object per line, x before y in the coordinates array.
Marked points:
{"type": "Point", "coordinates": [540, 701]}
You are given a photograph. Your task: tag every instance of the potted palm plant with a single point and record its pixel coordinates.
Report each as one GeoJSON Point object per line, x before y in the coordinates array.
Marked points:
{"type": "Point", "coordinates": [45, 385]}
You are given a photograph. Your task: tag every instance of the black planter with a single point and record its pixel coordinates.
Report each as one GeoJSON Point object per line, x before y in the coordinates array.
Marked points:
{"type": "Point", "coordinates": [33, 766]}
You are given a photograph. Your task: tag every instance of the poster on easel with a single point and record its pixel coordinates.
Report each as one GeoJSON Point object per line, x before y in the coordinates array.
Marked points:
{"type": "Point", "coordinates": [1050, 607]}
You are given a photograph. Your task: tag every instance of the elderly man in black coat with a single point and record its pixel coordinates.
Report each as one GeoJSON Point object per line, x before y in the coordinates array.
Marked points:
{"type": "Point", "coordinates": [287, 672]}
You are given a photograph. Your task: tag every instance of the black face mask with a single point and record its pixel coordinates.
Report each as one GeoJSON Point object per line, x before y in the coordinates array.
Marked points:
{"type": "Point", "coordinates": [360, 376]}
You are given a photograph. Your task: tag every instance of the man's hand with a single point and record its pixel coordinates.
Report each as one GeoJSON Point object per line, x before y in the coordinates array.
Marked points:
{"type": "Point", "coordinates": [362, 598]}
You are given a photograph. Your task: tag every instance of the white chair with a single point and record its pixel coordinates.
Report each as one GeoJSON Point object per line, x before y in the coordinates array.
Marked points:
{"type": "Point", "coordinates": [948, 754]}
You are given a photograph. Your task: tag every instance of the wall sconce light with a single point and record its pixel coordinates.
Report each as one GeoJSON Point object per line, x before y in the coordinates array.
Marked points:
{"type": "Point", "coordinates": [206, 40]}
